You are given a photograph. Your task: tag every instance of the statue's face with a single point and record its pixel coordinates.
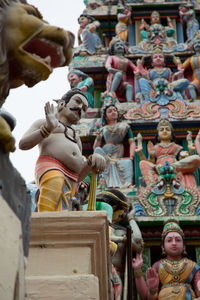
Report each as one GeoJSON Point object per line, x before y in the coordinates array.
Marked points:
{"type": "Point", "coordinates": [33, 46]}
{"type": "Point", "coordinates": [119, 47]}
{"type": "Point", "coordinates": [73, 110]}
{"type": "Point", "coordinates": [155, 19]}
{"type": "Point", "coordinates": [197, 45]}
{"type": "Point", "coordinates": [158, 60]}
{"type": "Point", "coordinates": [111, 114]}
{"type": "Point", "coordinates": [183, 9]}
{"type": "Point", "coordinates": [74, 79]}
{"type": "Point", "coordinates": [164, 133]}
{"type": "Point", "coordinates": [83, 21]}
{"type": "Point", "coordinates": [173, 245]}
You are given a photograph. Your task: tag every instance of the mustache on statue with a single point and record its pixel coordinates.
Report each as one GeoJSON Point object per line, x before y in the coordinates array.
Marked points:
{"type": "Point", "coordinates": [76, 109]}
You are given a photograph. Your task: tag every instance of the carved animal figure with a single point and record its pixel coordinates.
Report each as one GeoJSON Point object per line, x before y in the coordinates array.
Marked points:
{"type": "Point", "coordinates": [30, 48]}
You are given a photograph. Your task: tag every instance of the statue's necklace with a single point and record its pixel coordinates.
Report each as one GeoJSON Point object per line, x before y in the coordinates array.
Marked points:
{"type": "Point", "coordinates": [73, 139]}
{"type": "Point", "coordinates": [175, 268]}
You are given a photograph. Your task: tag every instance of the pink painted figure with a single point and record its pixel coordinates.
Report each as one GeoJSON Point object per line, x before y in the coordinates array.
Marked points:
{"type": "Point", "coordinates": [174, 275]}
{"type": "Point", "coordinates": [167, 150]}
{"type": "Point", "coordinates": [120, 70]}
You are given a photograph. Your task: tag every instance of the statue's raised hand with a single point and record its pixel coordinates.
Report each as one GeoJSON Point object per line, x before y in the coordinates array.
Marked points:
{"type": "Point", "coordinates": [137, 262]}
{"type": "Point", "coordinates": [151, 149]}
{"type": "Point", "coordinates": [51, 120]}
{"type": "Point", "coordinates": [152, 279]}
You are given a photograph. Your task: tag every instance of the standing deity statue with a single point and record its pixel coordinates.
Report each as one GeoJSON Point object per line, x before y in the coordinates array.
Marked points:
{"type": "Point", "coordinates": [194, 63]}
{"type": "Point", "coordinates": [188, 19]}
{"type": "Point", "coordinates": [60, 165]}
{"type": "Point", "coordinates": [185, 163]}
{"type": "Point", "coordinates": [173, 277]}
{"type": "Point", "coordinates": [124, 19]}
{"type": "Point", "coordinates": [82, 81]}
{"type": "Point", "coordinates": [120, 71]}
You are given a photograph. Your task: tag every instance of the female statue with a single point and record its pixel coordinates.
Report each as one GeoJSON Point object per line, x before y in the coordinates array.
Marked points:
{"type": "Point", "coordinates": [166, 149]}
{"type": "Point", "coordinates": [109, 143]}
{"type": "Point", "coordinates": [173, 277]}
{"type": "Point", "coordinates": [124, 19]}
{"type": "Point", "coordinates": [187, 16]}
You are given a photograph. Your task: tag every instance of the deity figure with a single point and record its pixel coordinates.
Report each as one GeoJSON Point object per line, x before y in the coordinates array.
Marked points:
{"type": "Point", "coordinates": [120, 71]}
{"type": "Point", "coordinates": [173, 277]}
{"type": "Point", "coordinates": [121, 210]}
{"type": "Point", "coordinates": [194, 63]}
{"type": "Point", "coordinates": [156, 33]}
{"type": "Point", "coordinates": [90, 41]}
{"type": "Point", "coordinates": [110, 144]}
{"type": "Point", "coordinates": [124, 19]}
{"type": "Point", "coordinates": [82, 81]}
{"type": "Point", "coordinates": [159, 84]}
{"type": "Point", "coordinates": [166, 149]}
{"type": "Point", "coordinates": [188, 19]}
{"type": "Point", "coordinates": [60, 165]}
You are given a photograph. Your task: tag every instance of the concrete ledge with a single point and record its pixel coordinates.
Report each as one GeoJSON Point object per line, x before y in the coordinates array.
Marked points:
{"type": "Point", "coordinates": [75, 287]}
{"type": "Point", "coordinates": [69, 244]}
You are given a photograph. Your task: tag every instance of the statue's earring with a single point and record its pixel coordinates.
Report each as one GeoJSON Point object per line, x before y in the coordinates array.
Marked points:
{"type": "Point", "coordinates": [163, 251]}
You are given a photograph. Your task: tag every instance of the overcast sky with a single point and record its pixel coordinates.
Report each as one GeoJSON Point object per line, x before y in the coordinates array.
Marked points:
{"type": "Point", "coordinates": [27, 104]}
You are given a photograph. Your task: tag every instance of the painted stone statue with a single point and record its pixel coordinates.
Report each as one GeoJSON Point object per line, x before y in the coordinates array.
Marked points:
{"type": "Point", "coordinates": [88, 39]}
{"type": "Point", "coordinates": [110, 144]}
{"type": "Point", "coordinates": [120, 71]}
{"type": "Point", "coordinates": [174, 274]}
{"type": "Point", "coordinates": [166, 149]}
{"type": "Point", "coordinates": [124, 19]}
{"type": "Point", "coordinates": [193, 62]}
{"type": "Point", "coordinates": [121, 211]}
{"type": "Point", "coordinates": [156, 33]}
{"type": "Point", "coordinates": [25, 58]}
{"type": "Point", "coordinates": [60, 165]}
{"type": "Point", "coordinates": [187, 15]}
{"type": "Point", "coordinates": [159, 84]}
{"type": "Point", "coordinates": [82, 81]}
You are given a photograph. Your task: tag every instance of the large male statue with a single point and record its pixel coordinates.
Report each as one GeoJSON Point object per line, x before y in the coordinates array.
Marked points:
{"type": "Point", "coordinates": [60, 163]}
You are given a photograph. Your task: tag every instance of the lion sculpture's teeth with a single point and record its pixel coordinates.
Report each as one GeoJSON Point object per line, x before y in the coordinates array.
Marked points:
{"type": "Point", "coordinates": [59, 49]}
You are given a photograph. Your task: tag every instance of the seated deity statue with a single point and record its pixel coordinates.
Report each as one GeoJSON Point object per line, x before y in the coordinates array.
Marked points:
{"type": "Point", "coordinates": [110, 144]}
{"type": "Point", "coordinates": [120, 69]}
{"type": "Point", "coordinates": [194, 63]}
{"type": "Point", "coordinates": [187, 15]}
{"type": "Point", "coordinates": [156, 33]}
{"type": "Point", "coordinates": [172, 277]}
{"type": "Point", "coordinates": [159, 84]}
{"type": "Point", "coordinates": [166, 150]}
{"type": "Point", "coordinates": [124, 19]}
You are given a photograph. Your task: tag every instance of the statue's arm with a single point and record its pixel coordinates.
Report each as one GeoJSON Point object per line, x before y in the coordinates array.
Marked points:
{"type": "Point", "coordinates": [196, 283]}
{"type": "Point", "coordinates": [95, 162]}
{"type": "Point", "coordinates": [32, 137]}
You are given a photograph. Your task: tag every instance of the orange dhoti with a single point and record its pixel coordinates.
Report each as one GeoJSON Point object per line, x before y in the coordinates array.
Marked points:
{"type": "Point", "coordinates": [56, 184]}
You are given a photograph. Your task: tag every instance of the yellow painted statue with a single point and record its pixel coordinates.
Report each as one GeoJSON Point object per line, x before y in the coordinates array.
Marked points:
{"type": "Point", "coordinates": [30, 48]}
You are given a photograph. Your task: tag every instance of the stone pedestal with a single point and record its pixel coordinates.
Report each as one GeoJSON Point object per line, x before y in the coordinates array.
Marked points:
{"type": "Point", "coordinates": [12, 279]}
{"type": "Point", "coordinates": [69, 249]}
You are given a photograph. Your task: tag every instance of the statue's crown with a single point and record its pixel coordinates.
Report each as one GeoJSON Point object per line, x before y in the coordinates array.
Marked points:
{"type": "Point", "coordinates": [171, 225]}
